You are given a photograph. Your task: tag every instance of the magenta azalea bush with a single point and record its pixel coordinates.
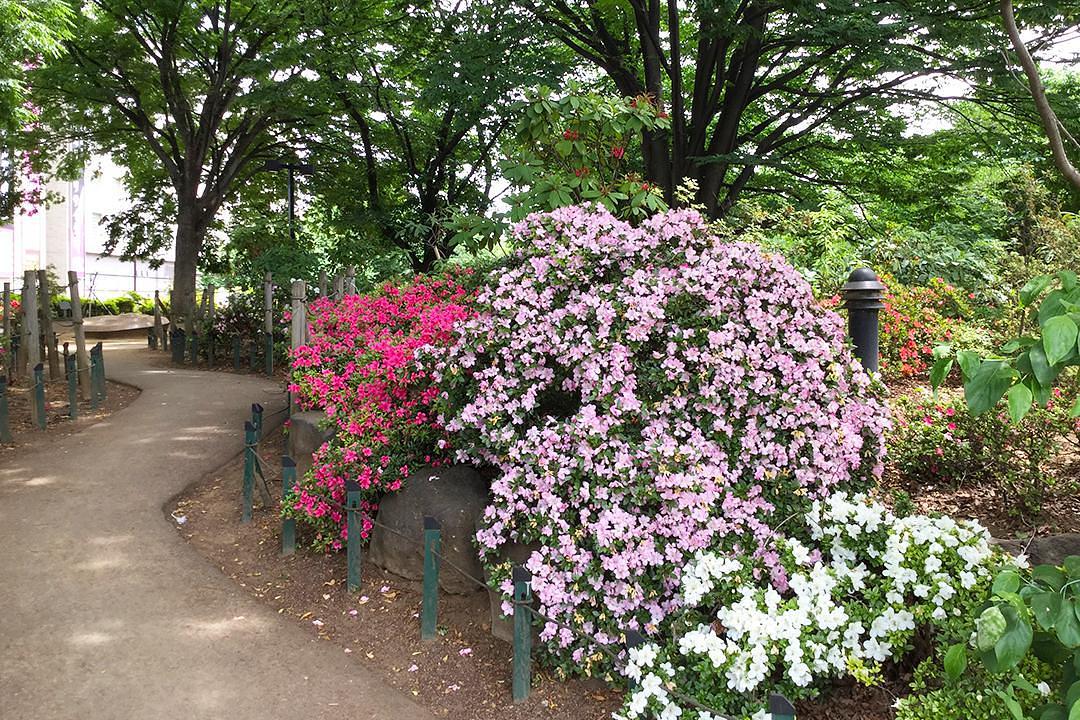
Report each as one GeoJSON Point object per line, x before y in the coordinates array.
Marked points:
{"type": "Point", "coordinates": [359, 367]}
{"type": "Point", "coordinates": [648, 393]}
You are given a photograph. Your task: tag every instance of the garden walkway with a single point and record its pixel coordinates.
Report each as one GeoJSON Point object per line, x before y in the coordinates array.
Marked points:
{"type": "Point", "coordinates": [105, 612]}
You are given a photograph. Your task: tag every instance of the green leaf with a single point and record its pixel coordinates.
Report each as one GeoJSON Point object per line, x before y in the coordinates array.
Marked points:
{"type": "Point", "coordinates": [1014, 644]}
{"type": "Point", "coordinates": [989, 628]}
{"type": "Point", "coordinates": [1033, 289]}
{"type": "Point", "coordinates": [1054, 712]}
{"type": "Point", "coordinates": [1072, 694]}
{"type": "Point", "coordinates": [1066, 626]}
{"type": "Point", "coordinates": [1068, 279]}
{"type": "Point", "coordinates": [1074, 712]}
{"type": "Point", "coordinates": [1075, 412]}
{"type": "Point", "coordinates": [1072, 566]}
{"type": "Point", "coordinates": [1020, 399]}
{"type": "Point", "coordinates": [984, 390]}
{"type": "Point", "coordinates": [1007, 581]}
{"type": "Point", "coordinates": [969, 362]}
{"type": "Point", "coordinates": [1059, 338]}
{"type": "Point", "coordinates": [1044, 372]}
{"type": "Point", "coordinates": [1048, 574]}
{"type": "Point", "coordinates": [940, 371]}
{"type": "Point", "coordinates": [1046, 607]}
{"type": "Point", "coordinates": [955, 662]}
{"type": "Point", "coordinates": [1010, 702]}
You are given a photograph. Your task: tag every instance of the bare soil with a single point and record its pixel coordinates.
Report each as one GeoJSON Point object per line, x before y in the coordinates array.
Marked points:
{"type": "Point", "coordinates": [25, 431]}
{"type": "Point", "coordinates": [463, 674]}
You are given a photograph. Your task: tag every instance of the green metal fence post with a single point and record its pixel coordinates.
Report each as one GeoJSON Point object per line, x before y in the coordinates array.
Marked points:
{"type": "Point", "coordinates": [780, 708]}
{"type": "Point", "coordinates": [288, 525]}
{"type": "Point", "coordinates": [522, 679]}
{"type": "Point", "coordinates": [95, 401]}
{"type": "Point", "coordinates": [633, 640]}
{"type": "Point", "coordinates": [5, 424]}
{"type": "Point", "coordinates": [429, 612]}
{"type": "Point", "coordinates": [353, 529]}
{"type": "Point", "coordinates": [236, 351]}
{"type": "Point", "coordinates": [249, 471]}
{"type": "Point", "coordinates": [39, 396]}
{"type": "Point", "coordinates": [71, 368]}
{"type": "Point", "coordinates": [101, 370]}
{"type": "Point", "coordinates": [257, 420]}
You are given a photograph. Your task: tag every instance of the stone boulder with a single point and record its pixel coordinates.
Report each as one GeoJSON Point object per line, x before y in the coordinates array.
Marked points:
{"type": "Point", "coordinates": [455, 496]}
{"type": "Point", "coordinates": [502, 626]}
{"type": "Point", "coordinates": [306, 435]}
{"type": "Point", "coordinates": [1049, 550]}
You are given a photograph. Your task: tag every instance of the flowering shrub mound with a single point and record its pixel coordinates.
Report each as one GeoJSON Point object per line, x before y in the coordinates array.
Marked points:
{"type": "Point", "coordinates": [648, 393]}
{"type": "Point", "coordinates": [917, 319]}
{"type": "Point", "coordinates": [847, 606]}
{"type": "Point", "coordinates": [359, 367]}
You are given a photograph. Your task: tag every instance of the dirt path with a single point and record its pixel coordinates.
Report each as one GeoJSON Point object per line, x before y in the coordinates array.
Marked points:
{"type": "Point", "coordinates": [105, 612]}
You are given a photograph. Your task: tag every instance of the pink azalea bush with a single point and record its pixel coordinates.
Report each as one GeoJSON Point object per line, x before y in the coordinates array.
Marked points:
{"type": "Point", "coordinates": [359, 367]}
{"type": "Point", "coordinates": [648, 393]}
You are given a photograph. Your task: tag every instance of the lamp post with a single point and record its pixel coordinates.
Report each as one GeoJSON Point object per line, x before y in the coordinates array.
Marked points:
{"type": "Point", "coordinates": [293, 168]}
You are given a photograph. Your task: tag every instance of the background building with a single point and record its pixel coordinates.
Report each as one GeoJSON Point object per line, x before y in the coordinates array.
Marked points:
{"type": "Point", "coordinates": [68, 235]}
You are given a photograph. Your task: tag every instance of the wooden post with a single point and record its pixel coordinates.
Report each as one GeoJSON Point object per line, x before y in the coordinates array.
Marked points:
{"type": "Point", "coordinates": [38, 405]}
{"type": "Point", "coordinates": [352, 529]}
{"type": "Point", "coordinates": [322, 283]}
{"type": "Point", "coordinates": [82, 358]}
{"type": "Point", "coordinates": [268, 322]}
{"type": "Point", "coordinates": [298, 327]}
{"type": "Point", "coordinates": [159, 327]}
{"type": "Point", "coordinates": [350, 280]}
{"type": "Point", "coordinates": [5, 424]}
{"type": "Point", "coordinates": [95, 399]}
{"type": "Point", "coordinates": [30, 326]}
{"type": "Point", "coordinates": [522, 668]}
{"type": "Point", "coordinates": [249, 472]}
{"type": "Point", "coordinates": [429, 612]}
{"type": "Point", "coordinates": [73, 385]}
{"type": "Point", "coordinates": [45, 308]}
{"type": "Point", "coordinates": [288, 525]}
{"type": "Point", "coordinates": [211, 331]}
{"type": "Point", "coordinates": [9, 355]}
{"type": "Point", "coordinates": [339, 287]}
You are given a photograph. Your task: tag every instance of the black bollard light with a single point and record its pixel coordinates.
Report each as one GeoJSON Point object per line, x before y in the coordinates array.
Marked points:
{"type": "Point", "coordinates": [863, 294]}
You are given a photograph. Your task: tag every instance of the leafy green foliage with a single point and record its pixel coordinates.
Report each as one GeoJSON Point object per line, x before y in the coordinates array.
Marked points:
{"type": "Point", "coordinates": [579, 147]}
{"type": "Point", "coordinates": [1034, 361]}
{"type": "Point", "coordinates": [1031, 615]}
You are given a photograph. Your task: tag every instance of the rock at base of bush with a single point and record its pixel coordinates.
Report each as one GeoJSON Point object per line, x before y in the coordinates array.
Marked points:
{"type": "Point", "coordinates": [1049, 550]}
{"type": "Point", "coordinates": [306, 435]}
{"type": "Point", "coordinates": [502, 626]}
{"type": "Point", "coordinates": [456, 496]}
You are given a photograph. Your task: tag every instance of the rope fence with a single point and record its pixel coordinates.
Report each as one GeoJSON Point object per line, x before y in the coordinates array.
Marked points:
{"type": "Point", "coordinates": [525, 616]}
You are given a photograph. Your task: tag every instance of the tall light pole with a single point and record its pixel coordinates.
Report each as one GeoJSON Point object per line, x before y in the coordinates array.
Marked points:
{"type": "Point", "coordinates": [293, 168]}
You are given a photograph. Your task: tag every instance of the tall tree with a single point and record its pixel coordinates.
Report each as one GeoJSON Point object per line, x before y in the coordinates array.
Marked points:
{"type": "Point", "coordinates": [417, 109]}
{"type": "Point", "coordinates": [1055, 131]}
{"type": "Point", "coordinates": [190, 96]}
{"type": "Point", "coordinates": [30, 33]}
{"type": "Point", "coordinates": [754, 84]}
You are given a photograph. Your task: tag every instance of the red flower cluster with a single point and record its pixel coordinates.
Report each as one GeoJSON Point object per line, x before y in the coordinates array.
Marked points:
{"type": "Point", "coordinates": [360, 368]}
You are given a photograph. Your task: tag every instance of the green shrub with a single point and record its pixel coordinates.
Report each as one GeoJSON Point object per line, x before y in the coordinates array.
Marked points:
{"type": "Point", "coordinates": [940, 441]}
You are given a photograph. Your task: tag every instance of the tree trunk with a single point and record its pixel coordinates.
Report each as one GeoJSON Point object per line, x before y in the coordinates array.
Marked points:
{"type": "Point", "coordinates": [188, 242]}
